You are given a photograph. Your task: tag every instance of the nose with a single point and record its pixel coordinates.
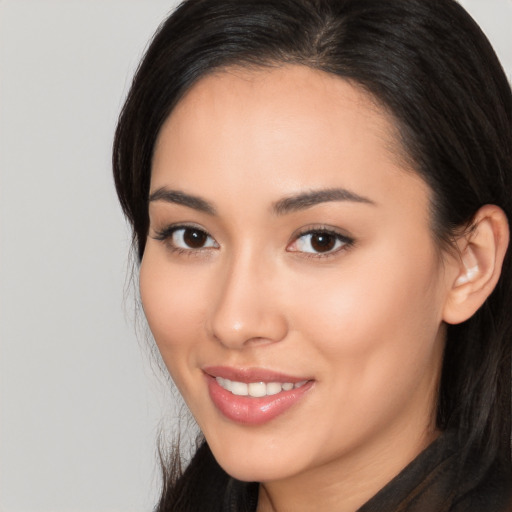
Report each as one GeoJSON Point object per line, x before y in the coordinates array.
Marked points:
{"type": "Point", "coordinates": [246, 309]}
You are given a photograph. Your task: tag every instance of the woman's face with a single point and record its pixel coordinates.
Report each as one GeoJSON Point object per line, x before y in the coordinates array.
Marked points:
{"type": "Point", "coordinates": [290, 277]}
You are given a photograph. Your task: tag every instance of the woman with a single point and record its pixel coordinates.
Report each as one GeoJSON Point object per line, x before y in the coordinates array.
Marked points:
{"type": "Point", "coordinates": [320, 194]}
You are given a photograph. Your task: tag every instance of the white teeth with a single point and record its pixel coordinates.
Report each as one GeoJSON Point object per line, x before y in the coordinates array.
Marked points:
{"type": "Point", "coordinates": [274, 387]}
{"type": "Point", "coordinates": [257, 389]}
{"type": "Point", "coordinates": [239, 388]}
{"type": "Point", "coordinates": [225, 383]}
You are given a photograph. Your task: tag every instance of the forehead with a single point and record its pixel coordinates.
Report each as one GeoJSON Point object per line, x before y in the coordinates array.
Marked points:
{"type": "Point", "coordinates": [289, 127]}
{"type": "Point", "coordinates": [282, 95]}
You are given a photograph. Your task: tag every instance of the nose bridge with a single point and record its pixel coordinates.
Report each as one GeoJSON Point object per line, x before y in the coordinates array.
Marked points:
{"type": "Point", "coordinates": [245, 308]}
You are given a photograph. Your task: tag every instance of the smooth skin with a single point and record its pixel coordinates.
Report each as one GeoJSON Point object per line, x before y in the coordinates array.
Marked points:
{"type": "Point", "coordinates": [348, 290]}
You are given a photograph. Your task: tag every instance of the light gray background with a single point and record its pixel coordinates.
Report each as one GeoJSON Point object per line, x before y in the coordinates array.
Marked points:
{"type": "Point", "coordinates": [79, 404]}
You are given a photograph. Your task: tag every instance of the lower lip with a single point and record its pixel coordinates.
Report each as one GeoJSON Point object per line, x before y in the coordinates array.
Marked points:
{"type": "Point", "coordinates": [253, 411]}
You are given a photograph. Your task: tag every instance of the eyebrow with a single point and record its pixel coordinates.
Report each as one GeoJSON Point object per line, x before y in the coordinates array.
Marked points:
{"type": "Point", "coordinates": [178, 197]}
{"type": "Point", "coordinates": [282, 207]}
{"type": "Point", "coordinates": [314, 197]}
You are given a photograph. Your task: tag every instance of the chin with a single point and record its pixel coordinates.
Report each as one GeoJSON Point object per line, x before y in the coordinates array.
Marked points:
{"type": "Point", "coordinates": [257, 462]}
{"type": "Point", "coordinates": [251, 471]}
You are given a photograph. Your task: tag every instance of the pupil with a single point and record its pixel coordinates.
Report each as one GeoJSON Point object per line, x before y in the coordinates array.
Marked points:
{"type": "Point", "coordinates": [194, 238]}
{"type": "Point", "coordinates": [323, 242]}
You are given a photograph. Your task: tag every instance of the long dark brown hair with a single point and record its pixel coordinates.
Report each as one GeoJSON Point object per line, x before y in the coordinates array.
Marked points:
{"type": "Point", "coordinates": [427, 63]}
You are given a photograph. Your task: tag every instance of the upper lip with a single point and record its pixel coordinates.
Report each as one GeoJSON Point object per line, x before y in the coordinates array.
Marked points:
{"type": "Point", "coordinates": [251, 374]}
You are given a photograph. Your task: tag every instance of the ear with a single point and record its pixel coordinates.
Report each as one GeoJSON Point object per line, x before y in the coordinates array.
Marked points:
{"type": "Point", "coordinates": [474, 274]}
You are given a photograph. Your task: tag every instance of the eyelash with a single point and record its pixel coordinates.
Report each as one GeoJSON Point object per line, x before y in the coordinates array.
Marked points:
{"type": "Point", "coordinates": [346, 241]}
{"type": "Point", "coordinates": [165, 235]}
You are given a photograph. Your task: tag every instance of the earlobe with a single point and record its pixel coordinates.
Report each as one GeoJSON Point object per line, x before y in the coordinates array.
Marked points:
{"type": "Point", "coordinates": [477, 269]}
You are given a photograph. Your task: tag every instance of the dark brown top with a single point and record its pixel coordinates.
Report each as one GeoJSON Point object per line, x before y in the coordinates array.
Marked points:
{"type": "Point", "coordinates": [438, 480]}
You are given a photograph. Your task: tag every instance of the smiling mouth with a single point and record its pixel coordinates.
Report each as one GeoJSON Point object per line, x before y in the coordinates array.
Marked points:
{"type": "Point", "coordinates": [257, 389]}
{"type": "Point", "coordinates": [254, 396]}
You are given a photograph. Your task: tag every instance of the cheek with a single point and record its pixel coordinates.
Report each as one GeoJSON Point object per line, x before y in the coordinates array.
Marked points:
{"type": "Point", "coordinates": [374, 334]}
{"type": "Point", "coordinates": [383, 307]}
{"type": "Point", "coordinates": [172, 306]}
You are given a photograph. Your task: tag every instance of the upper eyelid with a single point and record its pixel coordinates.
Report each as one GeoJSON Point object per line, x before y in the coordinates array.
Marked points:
{"type": "Point", "coordinates": [301, 232]}
{"type": "Point", "coordinates": [308, 230]}
{"type": "Point", "coordinates": [171, 228]}
{"type": "Point", "coordinates": [167, 231]}
{"type": "Point", "coordinates": [165, 235]}
{"type": "Point", "coordinates": [340, 236]}
{"type": "Point", "coordinates": [347, 240]}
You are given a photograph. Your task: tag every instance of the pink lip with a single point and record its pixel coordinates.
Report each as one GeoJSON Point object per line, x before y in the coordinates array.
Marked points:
{"type": "Point", "coordinates": [251, 374]}
{"type": "Point", "coordinates": [248, 410]}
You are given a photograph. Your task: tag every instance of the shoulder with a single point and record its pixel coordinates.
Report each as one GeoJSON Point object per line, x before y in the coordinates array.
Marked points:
{"type": "Point", "coordinates": [446, 478]}
{"type": "Point", "coordinates": [492, 492]}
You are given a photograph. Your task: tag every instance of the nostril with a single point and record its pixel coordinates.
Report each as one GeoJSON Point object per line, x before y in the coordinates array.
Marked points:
{"type": "Point", "coordinates": [258, 328]}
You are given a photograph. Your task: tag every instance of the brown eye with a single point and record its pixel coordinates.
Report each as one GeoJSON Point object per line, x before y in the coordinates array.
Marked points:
{"type": "Point", "coordinates": [320, 242]}
{"type": "Point", "coordinates": [190, 238]}
{"type": "Point", "coordinates": [323, 242]}
{"type": "Point", "coordinates": [194, 238]}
